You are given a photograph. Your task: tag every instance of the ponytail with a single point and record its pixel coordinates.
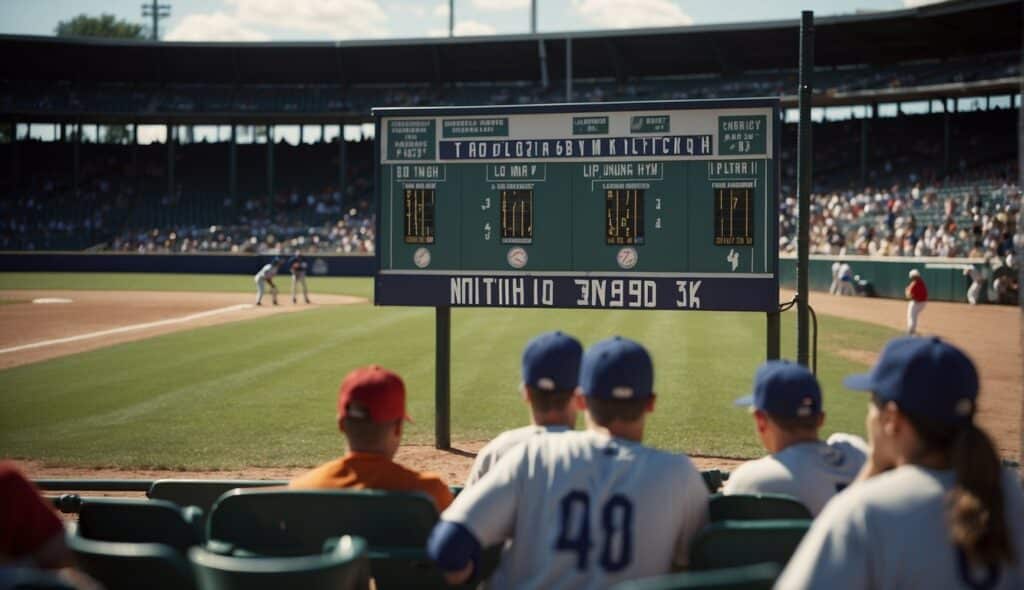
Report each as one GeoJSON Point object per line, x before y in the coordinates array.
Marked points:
{"type": "Point", "coordinates": [975, 511]}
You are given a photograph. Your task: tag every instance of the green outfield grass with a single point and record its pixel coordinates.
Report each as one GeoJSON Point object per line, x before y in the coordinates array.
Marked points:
{"type": "Point", "coordinates": [262, 392]}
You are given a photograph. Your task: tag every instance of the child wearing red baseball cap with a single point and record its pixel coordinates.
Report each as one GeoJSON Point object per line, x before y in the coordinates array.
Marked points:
{"type": "Point", "coordinates": [371, 411]}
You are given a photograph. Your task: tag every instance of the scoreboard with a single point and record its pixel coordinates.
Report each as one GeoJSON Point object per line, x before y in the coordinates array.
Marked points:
{"type": "Point", "coordinates": [641, 205]}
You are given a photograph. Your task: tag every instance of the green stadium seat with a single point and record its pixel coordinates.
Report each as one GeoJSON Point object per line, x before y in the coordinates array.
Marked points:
{"type": "Point", "coordinates": [199, 492]}
{"type": "Point", "coordinates": [756, 507]}
{"type": "Point", "coordinates": [344, 568]}
{"type": "Point", "coordinates": [129, 566]}
{"type": "Point", "coordinates": [751, 577]}
{"type": "Point", "coordinates": [733, 543]}
{"type": "Point", "coordinates": [140, 521]}
{"type": "Point", "coordinates": [395, 526]}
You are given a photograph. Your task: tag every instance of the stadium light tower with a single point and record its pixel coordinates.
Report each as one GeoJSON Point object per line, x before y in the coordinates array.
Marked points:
{"type": "Point", "coordinates": [156, 11]}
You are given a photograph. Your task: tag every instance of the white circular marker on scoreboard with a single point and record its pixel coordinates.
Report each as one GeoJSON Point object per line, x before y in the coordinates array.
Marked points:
{"type": "Point", "coordinates": [517, 258]}
{"type": "Point", "coordinates": [421, 257]}
{"type": "Point", "coordinates": [626, 258]}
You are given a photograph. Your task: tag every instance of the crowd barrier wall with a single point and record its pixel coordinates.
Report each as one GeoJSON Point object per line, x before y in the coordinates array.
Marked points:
{"type": "Point", "coordinates": [320, 265]}
{"type": "Point", "coordinates": [943, 276]}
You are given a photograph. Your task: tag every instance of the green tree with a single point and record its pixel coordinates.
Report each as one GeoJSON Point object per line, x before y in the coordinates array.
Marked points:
{"type": "Point", "coordinates": [104, 25]}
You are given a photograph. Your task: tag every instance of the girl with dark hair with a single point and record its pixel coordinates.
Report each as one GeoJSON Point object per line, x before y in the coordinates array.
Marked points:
{"type": "Point", "coordinates": [933, 506]}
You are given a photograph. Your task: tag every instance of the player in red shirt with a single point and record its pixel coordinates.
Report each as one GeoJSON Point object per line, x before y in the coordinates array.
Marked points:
{"type": "Point", "coordinates": [31, 534]}
{"type": "Point", "coordinates": [917, 293]}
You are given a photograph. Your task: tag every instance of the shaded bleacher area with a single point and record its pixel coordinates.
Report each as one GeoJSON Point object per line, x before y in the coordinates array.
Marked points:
{"type": "Point", "coordinates": [124, 202]}
{"type": "Point", "coordinates": [908, 205]}
{"type": "Point", "coordinates": [198, 98]}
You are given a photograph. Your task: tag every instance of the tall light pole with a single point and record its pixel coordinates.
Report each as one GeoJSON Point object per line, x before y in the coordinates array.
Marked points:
{"type": "Point", "coordinates": [156, 11]}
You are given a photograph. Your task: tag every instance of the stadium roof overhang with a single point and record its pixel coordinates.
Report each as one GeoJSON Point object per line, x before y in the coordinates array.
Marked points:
{"type": "Point", "coordinates": [954, 29]}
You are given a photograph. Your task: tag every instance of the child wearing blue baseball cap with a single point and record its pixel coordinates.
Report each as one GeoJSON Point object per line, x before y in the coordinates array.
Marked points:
{"type": "Point", "coordinates": [933, 507]}
{"type": "Point", "coordinates": [584, 509]}
{"type": "Point", "coordinates": [787, 410]}
{"type": "Point", "coordinates": [550, 371]}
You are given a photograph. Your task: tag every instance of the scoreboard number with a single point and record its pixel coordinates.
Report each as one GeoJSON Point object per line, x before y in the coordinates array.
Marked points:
{"type": "Point", "coordinates": [419, 215]}
{"type": "Point", "coordinates": [624, 217]}
{"type": "Point", "coordinates": [517, 216]}
{"type": "Point", "coordinates": [734, 222]}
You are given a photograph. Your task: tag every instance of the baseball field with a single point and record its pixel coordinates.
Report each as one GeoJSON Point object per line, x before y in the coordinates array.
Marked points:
{"type": "Point", "coordinates": [181, 372]}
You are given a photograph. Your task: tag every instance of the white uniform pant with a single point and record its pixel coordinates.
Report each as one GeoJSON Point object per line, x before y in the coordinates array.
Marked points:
{"type": "Point", "coordinates": [973, 291]}
{"type": "Point", "coordinates": [914, 309]}
{"type": "Point", "coordinates": [834, 287]}
{"type": "Point", "coordinates": [298, 278]}
{"type": "Point", "coordinates": [260, 286]}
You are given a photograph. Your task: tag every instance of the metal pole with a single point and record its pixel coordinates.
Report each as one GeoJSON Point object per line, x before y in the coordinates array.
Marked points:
{"type": "Point", "coordinates": [568, 69]}
{"type": "Point", "coordinates": [442, 378]}
{"type": "Point", "coordinates": [542, 51]}
{"type": "Point", "coordinates": [171, 134]}
{"type": "Point", "coordinates": [774, 329]}
{"type": "Point", "coordinates": [156, 21]}
{"type": "Point", "coordinates": [342, 165]}
{"type": "Point", "coordinates": [451, 18]}
{"type": "Point", "coordinates": [233, 166]}
{"type": "Point", "coordinates": [270, 169]}
{"type": "Point", "coordinates": [1019, 250]}
{"type": "Point", "coordinates": [863, 151]}
{"type": "Point", "coordinates": [804, 186]}
{"type": "Point", "coordinates": [533, 16]}
{"type": "Point", "coordinates": [946, 136]}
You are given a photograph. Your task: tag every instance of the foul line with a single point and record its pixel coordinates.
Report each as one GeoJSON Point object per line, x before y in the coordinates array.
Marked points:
{"type": "Point", "coordinates": [123, 329]}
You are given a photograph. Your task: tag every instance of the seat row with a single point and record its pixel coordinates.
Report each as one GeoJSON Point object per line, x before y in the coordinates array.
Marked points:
{"type": "Point", "coordinates": [349, 535]}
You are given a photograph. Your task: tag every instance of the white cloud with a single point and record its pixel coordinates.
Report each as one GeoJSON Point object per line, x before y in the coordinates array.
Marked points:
{"type": "Point", "coordinates": [916, 3]}
{"type": "Point", "coordinates": [337, 19]}
{"type": "Point", "coordinates": [465, 28]}
{"type": "Point", "coordinates": [628, 14]}
{"type": "Point", "coordinates": [441, 9]}
{"type": "Point", "coordinates": [499, 5]}
{"type": "Point", "coordinates": [250, 20]}
{"type": "Point", "coordinates": [214, 26]}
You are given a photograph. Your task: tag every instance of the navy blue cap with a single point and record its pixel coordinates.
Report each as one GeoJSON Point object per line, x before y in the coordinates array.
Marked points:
{"type": "Point", "coordinates": [617, 368]}
{"type": "Point", "coordinates": [551, 362]}
{"type": "Point", "coordinates": [925, 377]}
{"type": "Point", "coordinates": [785, 389]}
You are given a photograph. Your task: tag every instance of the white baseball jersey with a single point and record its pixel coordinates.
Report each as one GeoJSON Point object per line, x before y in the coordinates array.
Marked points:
{"type": "Point", "coordinates": [267, 272]}
{"type": "Point", "coordinates": [811, 472]}
{"type": "Point", "coordinates": [890, 532]}
{"type": "Point", "coordinates": [489, 455]}
{"type": "Point", "coordinates": [584, 510]}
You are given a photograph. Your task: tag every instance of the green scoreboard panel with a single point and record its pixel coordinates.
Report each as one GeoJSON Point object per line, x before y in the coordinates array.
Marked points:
{"type": "Point", "coordinates": [647, 205]}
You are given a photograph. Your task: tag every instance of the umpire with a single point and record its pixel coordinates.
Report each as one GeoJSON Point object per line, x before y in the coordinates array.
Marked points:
{"type": "Point", "coordinates": [299, 266]}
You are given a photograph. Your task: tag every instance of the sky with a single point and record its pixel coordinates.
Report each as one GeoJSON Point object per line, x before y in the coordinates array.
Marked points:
{"type": "Point", "coordinates": [311, 20]}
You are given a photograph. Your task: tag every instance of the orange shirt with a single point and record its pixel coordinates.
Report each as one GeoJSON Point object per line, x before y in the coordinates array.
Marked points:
{"type": "Point", "coordinates": [374, 472]}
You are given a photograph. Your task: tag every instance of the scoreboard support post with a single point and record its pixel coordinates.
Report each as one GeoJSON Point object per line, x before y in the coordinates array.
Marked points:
{"type": "Point", "coordinates": [442, 377]}
{"type": "Point", "coordinates": [774, 332]}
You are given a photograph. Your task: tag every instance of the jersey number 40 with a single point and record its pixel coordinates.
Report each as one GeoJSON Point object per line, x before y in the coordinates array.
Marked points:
{"type": "Point", "coordinates": [616, 535]}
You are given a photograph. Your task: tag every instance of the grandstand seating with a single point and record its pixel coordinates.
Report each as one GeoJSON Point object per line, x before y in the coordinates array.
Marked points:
{"type": "Point", "coordinates": [299, 522]}
{"type": "Point", "coordinates": [140, 521]}
{"type": "Point", "coordinates": [733, 543]}
{"type": "Point", "coordinates": [756, 507]}
{"type": "Point", "coordinates": [344, 568]}
{"type": "Point", "coordinates": [128, 566]}
{"type": "Point", "coordinates": [752, 577]}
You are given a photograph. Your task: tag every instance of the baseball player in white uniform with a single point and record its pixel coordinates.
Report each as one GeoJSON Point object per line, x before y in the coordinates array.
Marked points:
{"type": "Point", "coordinates": [787, 412]}
{"type": "Point", "coordinates": [977, 282]}
{"type": "Point", "coordinates": [299, 266]}
{"type": "Point", "coordinates": [551, 366]}
{"type": "Point", "coordinates": [834, 287]}
{"type": "Point", "coordinates": [846, 280]}
{"type": "Point", "coordinates": [266, 277]}
{"type": "Point", "coordinates": [582, 509]}
{"type": "Point", "coordinates": [933, 507]}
